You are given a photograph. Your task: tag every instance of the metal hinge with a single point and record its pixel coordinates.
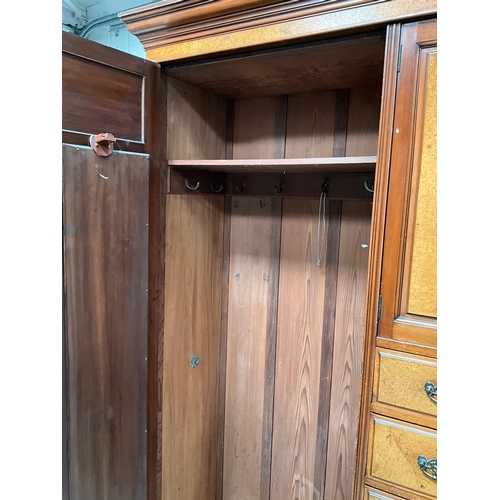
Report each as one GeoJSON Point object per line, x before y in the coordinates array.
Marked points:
{"type": "Point", "coordinates": [399, 57]}
{"type": "Point", "coordinates": [379, 314]}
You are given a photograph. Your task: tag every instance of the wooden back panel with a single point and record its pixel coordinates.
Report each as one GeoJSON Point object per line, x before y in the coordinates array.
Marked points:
{"type": "Point", "coordinates": [193, 294]}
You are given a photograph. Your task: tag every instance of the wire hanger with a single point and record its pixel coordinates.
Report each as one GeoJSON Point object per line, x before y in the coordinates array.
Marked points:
{"type": "Point", "coordinates": [321, 217]}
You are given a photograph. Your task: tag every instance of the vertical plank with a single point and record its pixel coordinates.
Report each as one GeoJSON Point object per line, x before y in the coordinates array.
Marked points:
{"type": "Point", "coordinates": [253, 286]}
{"type": "Point", "coordinates": [329, 312]}
{"type": "Point", "coordinates": [156, 131]}
{"type": "Point", "coordinates": [193, 272]}
{"type": "Point", "coordinates": [310, 125]}
{"type": "Point", "coordinates": [229, 128]}
{"type": "Point", "coordinates": [281, 110]}
{"type": "Point", "coordinates": [298, 354]}
{"type": "Point", "coordinates": [347, 353]}
{"type": "Point", "coordinates": [363, 121]}
{"type": "Point", "coordinates": [340, 122]}
{"type": "Point", "coordinates": [106, 268]}
{"type": "Point", "coordinates": [196, 123]}
{"type": "Point", "coordinates": [254, 127]}
{"type": "Point", "coordinates": [221, 385]}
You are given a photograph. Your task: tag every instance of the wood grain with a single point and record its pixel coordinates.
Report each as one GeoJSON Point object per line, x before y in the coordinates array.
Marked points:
{"type": "Point", "coordinates": [106, 268]}
{"type": "Point", "coordinates": [346, 62]}
{"type": "Point", "coordinates": [105, 90]}
{"type": "Point", "coordinates": [309, 130]}
{"type": "Point", "coordinates": [254, 128]}
{"type": "Point", "coordinates": [196, 123]}
{"type": "Point", "coordinates": [376, 245]}
{"type": "Point", "coordinates": [422, 275]}
{"type": "Point", "coordinates": [298, 354]}
{"type": "Point", "coordinates": [193, 288]}
{"type": "Point", "coordinates": [375, 494]}
{"type": "Point", "coordinates": [400, 380]}
{"type": "Point", "coordinates": [222, 362]}
{"type": "Point", "coordinates": [363, 120]}
{"type": "Point", "coordinates": [347, 350]}
{"type": "Point", "coordinates": [294, 165]}
{"type": "Point", "coordinates": [416, 39]}
{"type": "Point", "coordinates": [253, 287]}
{"type": "Point", "coordinates": [329, 313]}
{"type": "Point", "coordinates": [393, 458]}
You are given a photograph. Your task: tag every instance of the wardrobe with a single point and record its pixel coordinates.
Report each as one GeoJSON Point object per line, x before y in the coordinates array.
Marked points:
{"type": "Point", "coordinates": [249, 230]}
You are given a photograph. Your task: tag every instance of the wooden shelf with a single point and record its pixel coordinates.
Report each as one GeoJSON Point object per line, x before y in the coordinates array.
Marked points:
{"type": "Point", "coordinates": [295, 165]}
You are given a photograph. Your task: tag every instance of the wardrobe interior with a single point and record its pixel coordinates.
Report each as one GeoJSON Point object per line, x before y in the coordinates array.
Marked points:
{"type": "Point", "coordinates": [266, 268]}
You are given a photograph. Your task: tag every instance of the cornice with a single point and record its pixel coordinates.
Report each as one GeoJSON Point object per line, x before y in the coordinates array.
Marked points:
{"type": "Point", "coordinates": [180, 29]}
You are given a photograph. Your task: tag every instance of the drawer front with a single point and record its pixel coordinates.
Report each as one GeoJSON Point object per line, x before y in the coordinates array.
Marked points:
{"type": "Point", "coordinates": [374, 494]}
{"type": "Point", "coordinates": [401, 381]}
{"type": "Point", "coordinates": [394, 454]}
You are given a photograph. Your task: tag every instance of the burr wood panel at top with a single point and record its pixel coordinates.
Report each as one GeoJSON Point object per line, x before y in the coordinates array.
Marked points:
{"type": "Point", "coordinates": [106, 280]}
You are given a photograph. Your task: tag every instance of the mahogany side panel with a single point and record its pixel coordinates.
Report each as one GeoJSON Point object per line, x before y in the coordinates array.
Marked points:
{"type": "Point", "coordinates": [106, 274]}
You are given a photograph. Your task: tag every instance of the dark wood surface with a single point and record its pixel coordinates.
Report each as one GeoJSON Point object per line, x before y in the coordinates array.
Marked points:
{"type": "Point", "coordinates": [155, 146]}
{"type": "Point", "coordinates": [65, 415]}
{"type": "Point", "coordinates": [344, 63]}
{"type": "Point", "coordinates": [291, 164]}
{"type": "Point", "coordinates": [106, 277]}
{"type": "Point", "coordinates": [107, 90]}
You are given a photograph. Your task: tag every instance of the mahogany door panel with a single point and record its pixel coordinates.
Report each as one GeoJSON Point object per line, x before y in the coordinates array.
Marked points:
{"type": "Point", "coordinates": [105, 227]}
{"type": "Point", "coordinates": [409, 270]}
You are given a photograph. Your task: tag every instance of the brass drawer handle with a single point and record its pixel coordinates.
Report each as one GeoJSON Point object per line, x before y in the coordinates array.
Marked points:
{"type": "Point", "coordinates": [431, 465]}
{"type": "Point", "coordinates": [431, 390]}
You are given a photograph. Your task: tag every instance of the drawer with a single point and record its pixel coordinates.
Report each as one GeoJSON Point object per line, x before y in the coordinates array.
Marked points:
{"type": "Point", "coordinates": [393, 457]}
{"type": "Point", "coordinates": [374, 494]}
{"type": "Point", "coordinates": [401, 378]}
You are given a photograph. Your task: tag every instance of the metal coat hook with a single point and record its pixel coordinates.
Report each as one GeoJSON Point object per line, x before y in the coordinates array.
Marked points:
{"type": "Point", "coordinates": [191, 187]}
{"type": "Point", "coordinates": [368, 189]}
{"type": "Point", "coordinates": [216, 190]}
{"type": "Point", "coordinates": [281, 185]}
{"type": "Point", "coordinates": [243, 184]}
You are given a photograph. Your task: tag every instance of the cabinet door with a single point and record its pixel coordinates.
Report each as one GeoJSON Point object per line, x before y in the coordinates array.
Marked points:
{"type": "Point", "coordinates": [409, 270]}
{"type": "Point", "coordinates": [111, 232]}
